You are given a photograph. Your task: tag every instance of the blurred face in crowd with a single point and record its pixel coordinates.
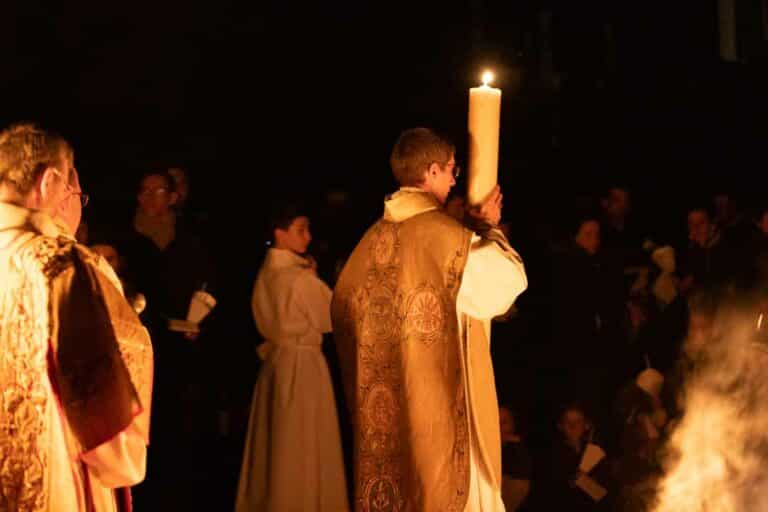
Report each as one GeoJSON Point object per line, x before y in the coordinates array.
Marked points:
{"type": "Point", "coordinates": [700, 331]}
{"type": "Point", "coordinates": [296, 237]}
{"type": "Point", "coordinates": [699, 227]}
{"type": "Point", "coordinates": [588, 236]}
{"type": "Point", "coordinates": [155, 196]}
{"type": "Point", "coordinates": [616, 205]}
{"type": "Point", "coordinates": [440, 179]}
{"type": "Point", "coordinates": [574, 426]}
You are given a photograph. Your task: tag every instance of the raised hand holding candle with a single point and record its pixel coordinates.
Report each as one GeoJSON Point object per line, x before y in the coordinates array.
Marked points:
{"type": "Point", "coordinates": [484, 117]}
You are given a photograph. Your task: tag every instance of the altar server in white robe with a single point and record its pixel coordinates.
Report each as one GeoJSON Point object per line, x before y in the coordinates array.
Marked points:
{"type": "Point", "coordinates": [293, 457]}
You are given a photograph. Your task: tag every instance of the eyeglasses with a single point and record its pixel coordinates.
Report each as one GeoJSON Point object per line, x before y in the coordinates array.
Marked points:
{"type": "Point", "coordinates": [84, 198]}
{"type": "Point", "coordinates": [455, 171]}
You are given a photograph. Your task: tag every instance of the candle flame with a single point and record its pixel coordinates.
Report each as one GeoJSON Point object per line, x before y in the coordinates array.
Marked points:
{"type": "Point", "coordinates": [487, 77]}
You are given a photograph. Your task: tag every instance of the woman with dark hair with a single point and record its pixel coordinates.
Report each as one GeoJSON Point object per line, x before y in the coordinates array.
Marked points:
{"type": "Point", "coordinates": [293, 456]}
{"type": "Point", "coordinates": [587, 317]}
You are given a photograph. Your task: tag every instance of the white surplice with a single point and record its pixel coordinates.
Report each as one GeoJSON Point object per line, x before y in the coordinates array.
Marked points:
{"type": "Point", "coordinates": [293, 458]}
{"type": "Point", "coordinates": [490, 284]}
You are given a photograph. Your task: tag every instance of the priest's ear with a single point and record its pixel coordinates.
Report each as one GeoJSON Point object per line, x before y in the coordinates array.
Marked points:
{"type": "Point", "coordinates": [50, 189]}
{"type": "Point", "coordinates": [433, 170]}
{"type": "Point", "coordinates": [431, 173]}
{"type": "Point", "coordinates": [49, 183]}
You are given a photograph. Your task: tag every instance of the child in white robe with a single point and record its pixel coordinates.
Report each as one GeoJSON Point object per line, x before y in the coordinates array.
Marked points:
{"type": "Point", "coordinates": [293, 457]}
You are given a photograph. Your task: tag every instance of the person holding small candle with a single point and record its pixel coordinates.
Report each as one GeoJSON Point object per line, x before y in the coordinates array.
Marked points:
{"type": "Point", "coordinates": [411, 316]}
{"type": "Point", "coordinates": [576, 474]}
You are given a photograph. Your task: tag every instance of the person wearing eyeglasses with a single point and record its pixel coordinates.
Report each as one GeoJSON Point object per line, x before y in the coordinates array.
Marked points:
{"type": "Point", "coordinates": [76, 364]}
{"type": "Point", "coordinates": [171, 264]}
{"type": "Point", "coordinates": [170, 259]}
{"type": "Point", "coordinates": [411, 320]}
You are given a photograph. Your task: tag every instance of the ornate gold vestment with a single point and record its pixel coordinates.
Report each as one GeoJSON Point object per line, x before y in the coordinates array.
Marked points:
{"type": "Point", "coordinates": [71, 347]}
{"type": "Point", "coordinates": [408, 370]}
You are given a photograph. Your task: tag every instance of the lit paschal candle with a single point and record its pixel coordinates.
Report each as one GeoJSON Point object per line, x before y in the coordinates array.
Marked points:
{"type": "Point", "coordinates": [484, 117]}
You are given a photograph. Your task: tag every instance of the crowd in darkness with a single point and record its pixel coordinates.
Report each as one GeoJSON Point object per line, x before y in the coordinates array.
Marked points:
{"type": "Point", "coordinates": [599, 352]}
{"type": "Point", "coordinates": [594, 353]}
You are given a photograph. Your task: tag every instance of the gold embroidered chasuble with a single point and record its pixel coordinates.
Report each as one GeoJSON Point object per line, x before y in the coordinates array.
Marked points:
{"type": "Point", "coordinates": [75, 368]}
{"type": "Point", "coordinates": [409, 366]}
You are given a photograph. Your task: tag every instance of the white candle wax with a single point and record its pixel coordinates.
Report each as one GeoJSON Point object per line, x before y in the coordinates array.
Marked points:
{"type": "Point", "coordinates": [484, 117]}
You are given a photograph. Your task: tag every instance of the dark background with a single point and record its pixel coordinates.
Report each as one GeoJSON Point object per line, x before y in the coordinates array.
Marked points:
{"type": "Point", "coordinates": [261, 96]}
{"type": "Point", "coordinates": [260, 100]}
